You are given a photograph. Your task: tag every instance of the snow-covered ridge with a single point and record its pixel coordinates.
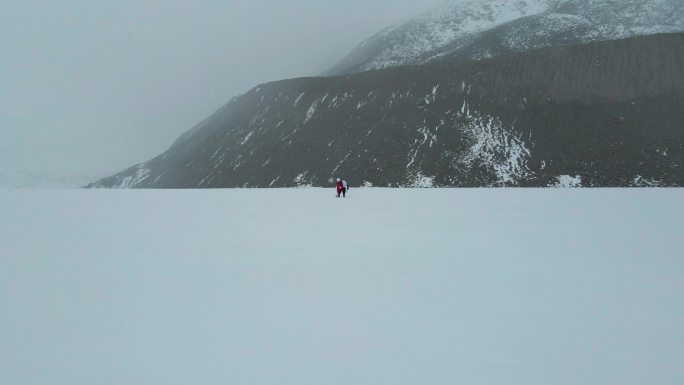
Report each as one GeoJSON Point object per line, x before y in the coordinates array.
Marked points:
{"type": "Point", "coordinates": [137, 176]}
{"type": "Point", "coordinates": [456, 28]}
{"type": "Point", "coordinates": [444, 24]}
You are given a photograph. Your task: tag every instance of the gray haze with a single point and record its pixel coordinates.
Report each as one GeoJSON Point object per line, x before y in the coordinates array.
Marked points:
{"type": "Point", "coordinates": [89, 88]}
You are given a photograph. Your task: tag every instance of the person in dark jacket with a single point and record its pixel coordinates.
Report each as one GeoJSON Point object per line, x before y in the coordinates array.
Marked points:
{"type": "Point", "coordinates": [345, 187]}
{"type": "Point", "coordinates": [339, 187]}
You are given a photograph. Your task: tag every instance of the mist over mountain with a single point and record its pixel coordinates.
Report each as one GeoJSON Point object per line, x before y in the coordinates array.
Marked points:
{"type": "Point", "coordinates": [599, 114]}
{"type": "Point", "coordinates": [11, 177]}
{"type": "Point", "coordinates": [487, 28]}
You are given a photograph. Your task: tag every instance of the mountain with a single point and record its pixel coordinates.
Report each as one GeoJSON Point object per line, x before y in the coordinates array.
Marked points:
{"type": "Point", "coordinates": [487, 28]}
{"type": "Point", "coordinates": [598, 114]}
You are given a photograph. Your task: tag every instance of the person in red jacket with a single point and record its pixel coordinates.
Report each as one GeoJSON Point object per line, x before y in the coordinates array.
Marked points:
{"type": "Point", "coordinates": [339, 187]}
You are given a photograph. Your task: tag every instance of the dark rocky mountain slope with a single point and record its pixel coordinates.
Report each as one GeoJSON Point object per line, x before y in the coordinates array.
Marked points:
{"type": "Point", "coordinates": [600, 114]}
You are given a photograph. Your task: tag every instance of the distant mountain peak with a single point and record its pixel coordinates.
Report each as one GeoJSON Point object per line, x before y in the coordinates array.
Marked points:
{"type": "Point", "coordinates": [471, 28]}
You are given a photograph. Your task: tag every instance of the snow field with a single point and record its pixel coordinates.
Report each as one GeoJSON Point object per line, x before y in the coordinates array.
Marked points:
{"type": "Point", "coordinates": [387, 286]}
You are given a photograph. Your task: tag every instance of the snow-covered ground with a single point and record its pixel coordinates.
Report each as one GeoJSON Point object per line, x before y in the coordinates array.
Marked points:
{"type": "Point", "coordinates": [411, 286]}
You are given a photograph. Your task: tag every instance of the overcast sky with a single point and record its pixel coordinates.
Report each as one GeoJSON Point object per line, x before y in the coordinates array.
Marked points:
{"type": "Point", "coordinates": [88, 87]}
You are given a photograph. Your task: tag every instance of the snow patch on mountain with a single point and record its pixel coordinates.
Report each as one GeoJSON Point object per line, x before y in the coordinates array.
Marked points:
{"type": "Point", "coordinates": [425, 135]}
{"type": "Point", "coordinates": [536, 34]}
{"type": "Point", "coordinates": [141, 174]}
{"type": "Point", "coordinates": [640, 181]}
{"type": "Point", "coordinates": [296, 102]}
{"type": "Point", "coordinates": [423, 181]}
{"type": "Point", "coordinates": [498, 148]}
{"type": "Point", "coordinates": [246, 138]}
{"type": "Point", "coordinates": [312, 109]}
{"type": "Point", "coordinates": [301, 181]}
{"type": "Point", "coordinates": [567, 181]}
{"type": "Point", "coordinates": [477, 15]}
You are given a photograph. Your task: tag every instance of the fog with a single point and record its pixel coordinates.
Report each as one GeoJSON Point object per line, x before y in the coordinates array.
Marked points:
{"type": "Point", "coordinates": [90, 88]}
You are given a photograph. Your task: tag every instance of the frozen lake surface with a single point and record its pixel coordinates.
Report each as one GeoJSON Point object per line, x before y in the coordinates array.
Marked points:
{"type": "Point", "coordinates": [294, 286]}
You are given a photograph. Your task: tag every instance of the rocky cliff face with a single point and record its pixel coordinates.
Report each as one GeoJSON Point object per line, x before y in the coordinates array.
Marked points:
{"type": "Point", "coordinates": [487, 28]}
{"type": "Point", "coordinates": [600, 114]}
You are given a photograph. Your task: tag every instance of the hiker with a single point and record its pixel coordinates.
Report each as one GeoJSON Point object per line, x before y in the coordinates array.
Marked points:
{"type": "Point", "coordinates": [339, 187]}
{"type": "Point", "coordinates": [345, 188]}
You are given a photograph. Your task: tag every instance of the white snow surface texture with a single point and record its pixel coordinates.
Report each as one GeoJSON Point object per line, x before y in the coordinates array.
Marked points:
{"type": "Point", "coordinates": [294, 286]}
